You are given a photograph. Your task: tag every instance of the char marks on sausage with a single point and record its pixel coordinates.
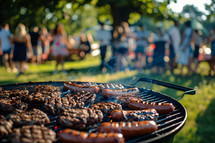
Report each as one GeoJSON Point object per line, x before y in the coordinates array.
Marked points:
{"type": "Point", "coordinates": [129, 129]}
{"type": "Point", "coordinates": [161, 108]}
{"type": "Point", "coordinates": [134, 115]}
{"type": "Point", "coordinates": [73, 136]}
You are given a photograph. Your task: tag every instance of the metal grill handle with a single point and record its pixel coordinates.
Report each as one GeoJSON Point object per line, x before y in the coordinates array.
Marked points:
{"type": "Point", "coordinates": [169, 85]}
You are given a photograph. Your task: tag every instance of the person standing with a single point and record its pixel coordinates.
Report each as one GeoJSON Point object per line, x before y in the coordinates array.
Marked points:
{"type": "Point", "coordinates": [142, 36]}
{"type": "Point", "coordinates": [196, 43]}
{"type": "Point", "coordinates": [22, 45]}
{"type": "Point", "coordinates": [161, 41]}
{"type": "Point", "coordinates": [6, 47]}
{"type": "Point", "coordinates": [60, 44]}
{"type": "Point", "coordinates": [35, 36]}
{"type": "Point", "coordinates": [175, 39]}
{"type": "Point", "coordinates": [104, 38]}
{"type": "Point", "coordinates": [45, 38]}
{"type": "Point", "coordinates": [185, 49]}
{"type": "Point", "coordinates": [211, 39]}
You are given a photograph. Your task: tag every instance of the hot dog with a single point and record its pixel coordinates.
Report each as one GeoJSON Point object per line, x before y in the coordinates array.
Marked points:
{"type": "Point", "coordinates": [73, 136]}
{"type": "Point", "coordinates": [161, 108]}
{"type": "Point", "coordinates": [134, 115]}
{"type": "Point", "coordinates": [78, 88]}
{"type": "Point", "coordinates": [107, 93]}
{"type": "Point", "coordinates": [129, 129]}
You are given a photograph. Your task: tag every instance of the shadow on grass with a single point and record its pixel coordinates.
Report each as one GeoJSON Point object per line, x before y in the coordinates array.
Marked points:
{"type": "Point", "coordinates": [205, 123]}
{"type": "Point", "coordinates": [93, 70]}
{"type": "Point", "coordinates": [8, 82]}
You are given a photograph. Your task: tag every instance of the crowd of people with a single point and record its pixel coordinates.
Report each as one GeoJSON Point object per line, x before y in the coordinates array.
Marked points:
{"type": "Point", "coordinates": [160, 50]}
{"type": "Point", "coordinates": [135, 48]}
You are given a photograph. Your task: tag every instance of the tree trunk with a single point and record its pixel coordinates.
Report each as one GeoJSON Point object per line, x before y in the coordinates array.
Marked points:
{"type": "Point", "coordinates": [119, 14]}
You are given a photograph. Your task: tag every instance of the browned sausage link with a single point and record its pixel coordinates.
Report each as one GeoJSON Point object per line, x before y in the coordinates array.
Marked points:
{"type": "Point", "coordinates": [78, 88]}
{"type": "Point", "coordinates": [134, 115]}
{"type": "Point", "coordinates": [161, 108]}
{"type": "Point", "coordinates": [129, 129]}
{"type": "Point", "coordinates": [107, 93]}
{"type": "Point", "coordinates": [73, 136]}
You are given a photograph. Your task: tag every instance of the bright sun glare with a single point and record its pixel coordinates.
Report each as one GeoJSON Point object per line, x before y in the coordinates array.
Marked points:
{"type": "Point", "coordinates": [178, 7]}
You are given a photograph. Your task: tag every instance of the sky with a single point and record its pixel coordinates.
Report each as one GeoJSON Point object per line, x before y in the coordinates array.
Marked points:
{"type": "Point", "coordinates": [178, 7]}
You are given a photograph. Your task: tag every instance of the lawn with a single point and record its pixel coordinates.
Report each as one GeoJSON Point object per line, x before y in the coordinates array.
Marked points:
{"type": "Point", "coordinates": [200, 123]}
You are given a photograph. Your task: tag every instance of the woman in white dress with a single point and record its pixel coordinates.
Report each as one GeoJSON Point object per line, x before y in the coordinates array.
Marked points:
{"type": "Point", "coordinates": [185, 49]}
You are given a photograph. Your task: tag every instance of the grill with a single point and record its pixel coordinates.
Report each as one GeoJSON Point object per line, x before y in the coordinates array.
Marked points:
{"type": "Point", "coordinates": [168, 124]}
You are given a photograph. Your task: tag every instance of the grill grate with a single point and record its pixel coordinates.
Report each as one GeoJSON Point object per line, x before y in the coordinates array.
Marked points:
{"type": "Point", "coordinates": [168, 124]}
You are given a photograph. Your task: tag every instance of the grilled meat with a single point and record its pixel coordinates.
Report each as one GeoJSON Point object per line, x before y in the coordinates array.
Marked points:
{"type": "Point", "coordinates": [69, 101]}
{"type": "Point", "coordinates": [46, 88]}
{"type": "Point", "coordinates": [4, 93]}
{"type": "Point", "coordinates": [32, 134]}
{"type": "Point", "coordinates": [41, 97]}
{"type": "Point", "coordinates": [125, 99]}
{"type": "Point", "coordinates": [13, 93]}
{"type": "Point", "coordinates": [35, 116]}
{"type": "Point", "coordinates": [9, 105]}
{"type": "Point", "coordinates": [106, 107]}
{"type": "Point", "coordinates": [80, 118]}
{"type": "Point", "coordinates": [5, 126]}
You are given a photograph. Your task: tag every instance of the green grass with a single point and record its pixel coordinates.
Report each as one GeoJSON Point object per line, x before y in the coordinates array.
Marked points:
{"type": "Point", "coordinates": [200, 125]}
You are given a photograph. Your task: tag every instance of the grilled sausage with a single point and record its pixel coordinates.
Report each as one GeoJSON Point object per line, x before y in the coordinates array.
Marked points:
{"type": "Point", "coordinates": [74, 136]}
{"type": "Point", "coordinates": [129, 129]}
{"type": "Point", "coordinates": [161, 108]}
{"type": "Point", "coordinates": [134, 115]}
{"type": "Point", "coordinates": [107, 93]}
{"type": "Point", "coordinates": [78, 88]}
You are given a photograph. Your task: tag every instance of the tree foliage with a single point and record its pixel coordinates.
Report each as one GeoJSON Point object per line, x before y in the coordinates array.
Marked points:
{"type": "Point", "coordinates": [82, 13]}
{"type": "Point", "coordinates": [121, 9]}
{"type": "Point", "coordinates": [192, 12]}
{"type": "Point", "coordinates": [211, 8]}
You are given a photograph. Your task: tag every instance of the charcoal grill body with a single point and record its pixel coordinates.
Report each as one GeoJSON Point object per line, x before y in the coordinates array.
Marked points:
{"type": "Point", "coordinates": [168, 124]}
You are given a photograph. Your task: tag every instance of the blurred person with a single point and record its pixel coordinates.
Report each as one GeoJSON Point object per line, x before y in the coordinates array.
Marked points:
{"type": "Point", "coordinates": [22, 45]}
{"type": "Point", "coordinates": [196, 42]}
{"type": "Point", "coordinates": [131, 39]}
{"type": "Point", "coordinates": [35, 37]}
{"type": "Point", "coordinates": [90, 38]}
{"type": "Point", "coordinates": [126, 28]}
{"type": "Point", "coordinates": [160, 41]}
{"type": "Point", "coordinates": [175, 39]}
{"type": "Point", "coordinates": [122, 52]}
{"type": "Point", "coordinates": [114, 47]}
{"type": "Point", "coordinates": [71, 41]}
{"type": "Point", "coordinates": [6, 47]}
{"type": "Point", "coordinates": [45, 38]}
{"type": "Point", "coordinates": [211, 39]}
{"type": "Point", "coordinates": [84, 43]}
{"type": "Point", "coordinates": [104, 38]}
{"type": "Point", "coordinates": [185, 51]}
{"type": "Point", "coordinates": [60, 44]}
{"type": "Point", "coordinates": [142, 36]}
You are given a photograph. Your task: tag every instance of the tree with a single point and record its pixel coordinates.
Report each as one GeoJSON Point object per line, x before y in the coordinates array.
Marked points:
{"type": "Point", "coordinates": [121, 9]}
{"type": "Point", "coordinates": [192, 12]}
{"type": "Point", "coordinates": [49, 12]}
{"type": "Point", "coordinates": [211, 8]}
{"type": "Point", "coordinates": [25, 11]}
